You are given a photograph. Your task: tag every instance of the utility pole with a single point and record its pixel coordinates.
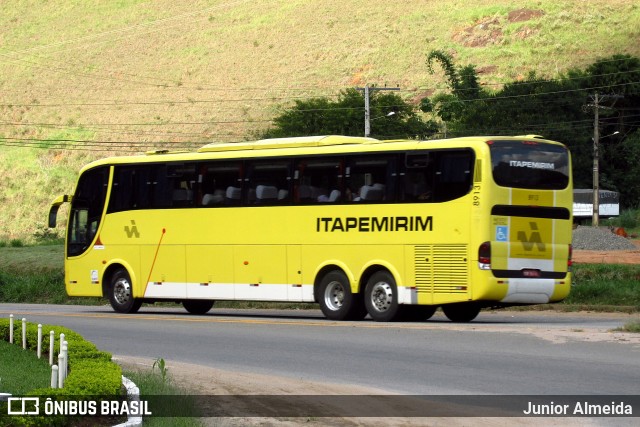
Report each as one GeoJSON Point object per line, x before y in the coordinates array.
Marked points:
{"type": "Point", "coordinates": [367, 108]}
{"type": "Point", "coordinates": [595, 221]}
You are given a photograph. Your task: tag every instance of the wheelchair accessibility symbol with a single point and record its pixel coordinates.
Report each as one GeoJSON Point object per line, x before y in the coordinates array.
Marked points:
{"type": "Point", "coordinates": [502, 233]}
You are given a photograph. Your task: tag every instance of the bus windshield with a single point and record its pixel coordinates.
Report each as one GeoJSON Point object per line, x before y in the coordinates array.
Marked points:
{"type": "Point", "coordinates": [530, 164]}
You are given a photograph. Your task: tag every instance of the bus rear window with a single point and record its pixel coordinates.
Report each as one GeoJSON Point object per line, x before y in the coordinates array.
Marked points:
{"type": "Point", "coordinates": [530, 164]}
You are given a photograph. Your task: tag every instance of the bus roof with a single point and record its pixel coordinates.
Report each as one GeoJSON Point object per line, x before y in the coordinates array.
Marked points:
{"type": "Point", "coordinates": [299, 145]}
{"type": "Point", "coordinates": [295, 142]}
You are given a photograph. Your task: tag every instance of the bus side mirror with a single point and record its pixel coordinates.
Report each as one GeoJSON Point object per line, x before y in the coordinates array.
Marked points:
{"type": "Point", "coordinates": [53, 215]}
{"type": "Point", "coordinates": [53, 211]}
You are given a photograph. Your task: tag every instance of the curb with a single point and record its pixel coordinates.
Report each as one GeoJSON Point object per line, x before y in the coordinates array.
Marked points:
{"type": "Point", "coordinates": [133, 394]}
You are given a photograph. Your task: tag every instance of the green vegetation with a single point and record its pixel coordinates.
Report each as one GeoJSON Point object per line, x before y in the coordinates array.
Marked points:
{"type": "Point", "coordinates": [160, 383]}
{"type": "Point", "coordinates": [633, 326]}
{"type": "Point", "coordinates": [629, 219]}
{"type": "Point", "coordinates": [91, 372]}
{"type": "Point", "coordinates": [614, 287]}
{"type": "Point", "coordinates": [391, 117]}
{"type": "Point", "coordinates": [21, 371]}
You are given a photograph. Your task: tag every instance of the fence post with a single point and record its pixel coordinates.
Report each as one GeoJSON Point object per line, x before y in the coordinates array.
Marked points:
{"type": "Point", "coordinates": [60, 370]}
{"type": "Point", "coordinates": [24, 333]}
{"type": "Point", "coordinates": [52, 340]}
{"type": "Point", "coordinates": [54, 376]}
{"type": "Point", "coordinates": [39, 341]}
{"type": "Point", "coordinates": [65, 353]}
{"type": "Point", "coordinates": [11, 329]}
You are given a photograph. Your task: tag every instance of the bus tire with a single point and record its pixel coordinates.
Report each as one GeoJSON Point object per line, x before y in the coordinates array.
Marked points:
{"type": "Point", "coordinates": [461, 312]}
{"type": "Point", "coordinates": [197, 306]}
{"type": "Point", "coordinates": [121, 293]}
{"type": "Point", "coordinates": [337, 302]}
{"type": "Point", "coordinates": [417, 313]}
{"type": "Point", "coordinates": [381, 297]}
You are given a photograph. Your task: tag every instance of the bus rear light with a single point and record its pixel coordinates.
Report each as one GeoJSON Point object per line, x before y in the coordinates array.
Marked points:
{"type": "Point", "coordinates": [484, 256]}
{"type": "Point", "coordinates": [570, 260]}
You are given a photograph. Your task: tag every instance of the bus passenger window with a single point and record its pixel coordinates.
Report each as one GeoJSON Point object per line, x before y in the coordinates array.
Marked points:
{"type": "Point", "coordinates": [371, 179]}
{"type": "Point", "coordinates": [318, 180]}
{"type": "Point", "coordinates": [454, 174]}
{"type": "Point", "coordinates": [268, 182]}
{"type": "Point", "coordinates": [220, 183]}
{"type": "Point", "coordinates": [417, 183]}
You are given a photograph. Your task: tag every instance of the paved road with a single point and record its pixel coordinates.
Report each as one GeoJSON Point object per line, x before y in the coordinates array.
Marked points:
{"type": "Point", "coordinates": [501, 352]}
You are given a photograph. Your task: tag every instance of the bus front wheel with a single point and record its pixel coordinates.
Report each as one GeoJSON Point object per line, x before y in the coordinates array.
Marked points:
{"type": "Point", "coordinates": [381, 297]}
{"type": "Point", "coordinates": [197, 306]}
{"type": "Point", "coordinates": [121, 293]}
{"type": "Point", "coordinates": [337, 302]}
{"type": "Point", "coordinates": [461, 312]}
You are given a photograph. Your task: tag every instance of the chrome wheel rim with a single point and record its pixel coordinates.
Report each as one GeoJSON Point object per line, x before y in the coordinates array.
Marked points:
{"type": "Point", "coordinates": [334, 295]}
{"type": "Point", "coordinates": [122, 291]}
{"type": "Point", "coordinates": [381, 296]}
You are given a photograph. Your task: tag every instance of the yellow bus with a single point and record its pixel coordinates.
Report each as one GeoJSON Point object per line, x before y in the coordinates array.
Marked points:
{"type": "Point", "coordinates": [392, 229]}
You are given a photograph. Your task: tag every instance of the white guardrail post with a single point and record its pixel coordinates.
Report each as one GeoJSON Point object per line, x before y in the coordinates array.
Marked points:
{"type": "Point", "coordinates": [24, 333]}
{"type": "Point", "coordinates": [39, 341]}
{"type": "Point", "coordinates": [54, 376]}
{"type": "Point", "coordinates": [60, 370]}
{"type": "Point", "coordinates": [52, 340]}
{"type": "Point", "coordinates": [65, 367]}
{"type": "Point", "coordinates": [11, 329]}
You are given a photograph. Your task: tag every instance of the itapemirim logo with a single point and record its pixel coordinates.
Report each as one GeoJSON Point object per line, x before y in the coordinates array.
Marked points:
{"type": "Point", "coordinates": [533, 239]}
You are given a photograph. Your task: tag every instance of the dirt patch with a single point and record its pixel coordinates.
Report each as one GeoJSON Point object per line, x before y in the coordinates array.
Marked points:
{"type": "Point", "coordinates": [522, 15]}
{"type": "Point", "coordinates": [606, 257]}
{"type": "Point", "coordinates": [489, 30]}
{"type": "Point", "coordinates": [484, 32]}
{"type": "Point", "coordinates": [210, 381]}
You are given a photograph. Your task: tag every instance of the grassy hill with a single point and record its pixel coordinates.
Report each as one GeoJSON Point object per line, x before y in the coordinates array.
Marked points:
{"type": "Point", "coordinates": [82, 80]}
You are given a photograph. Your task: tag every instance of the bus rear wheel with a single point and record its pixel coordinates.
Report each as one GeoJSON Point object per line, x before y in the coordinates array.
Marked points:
{"type": "Point", "coordinates": [337, 302]}
{"type": "Point", "coordinates": [197, 306]}
{"type": "Point", "coordinates": [461, 312]}
{"type": "Point", "coordinates": [381, 297]}
{"type": "Point", "coordinates": [121, 293]}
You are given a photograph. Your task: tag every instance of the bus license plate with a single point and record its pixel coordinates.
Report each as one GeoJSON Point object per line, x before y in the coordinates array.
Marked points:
{"type": "Point", "coordinates": [529, 272]}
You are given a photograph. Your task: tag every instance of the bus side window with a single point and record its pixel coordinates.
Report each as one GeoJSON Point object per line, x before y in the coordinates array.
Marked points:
{"type": "Point", "coordinates": [454, 174]}
{"type": "Point", "coordinates": [220, 183]}
{"type": "Point", "coordinates": [318, 180]}
{"type": "Point", "coordinates": [268, 182]}
{"type": "Point", "coordinates": [181, 182]}
{"type": "Point", "coordinates": [371, 178]}
{"type": "Point", "coordinates": [417, 182]}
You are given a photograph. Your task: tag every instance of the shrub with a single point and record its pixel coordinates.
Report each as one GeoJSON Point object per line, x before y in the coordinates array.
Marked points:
{"type": "Point", "coordinates": [91, 371]}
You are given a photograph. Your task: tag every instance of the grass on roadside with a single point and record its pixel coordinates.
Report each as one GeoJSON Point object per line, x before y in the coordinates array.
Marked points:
{"type": "Point", "coordinates": [605, 285]}
{"type": "Point", "coordinates": [21, 371]}
{"type": "Point", "coordinates": [633, 326]}
{"type": "Point", "coordinates": [158, 382]}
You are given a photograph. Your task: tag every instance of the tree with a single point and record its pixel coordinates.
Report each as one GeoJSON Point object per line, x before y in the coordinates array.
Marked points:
{"type": "Point", "coordinates": [345, 116]}
{"type": "Point", "coordinates": [556, 109]}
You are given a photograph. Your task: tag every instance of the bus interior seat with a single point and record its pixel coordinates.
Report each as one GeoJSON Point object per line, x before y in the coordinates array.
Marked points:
{"type": "Point", "coordinates": [334, 196]}
{"type": "Point", "coordinates": [266, 193]}
{"type": "Point", "coordinates": [233, 193]}
{"type": "Point", "coordinates": [283, 194]}
{"type": "Point", "coordinates": [213, 199]}
{"type": "Point", "coordinates": [310, 193]}
{"type": "Point", "coordinates": [371, 193]}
